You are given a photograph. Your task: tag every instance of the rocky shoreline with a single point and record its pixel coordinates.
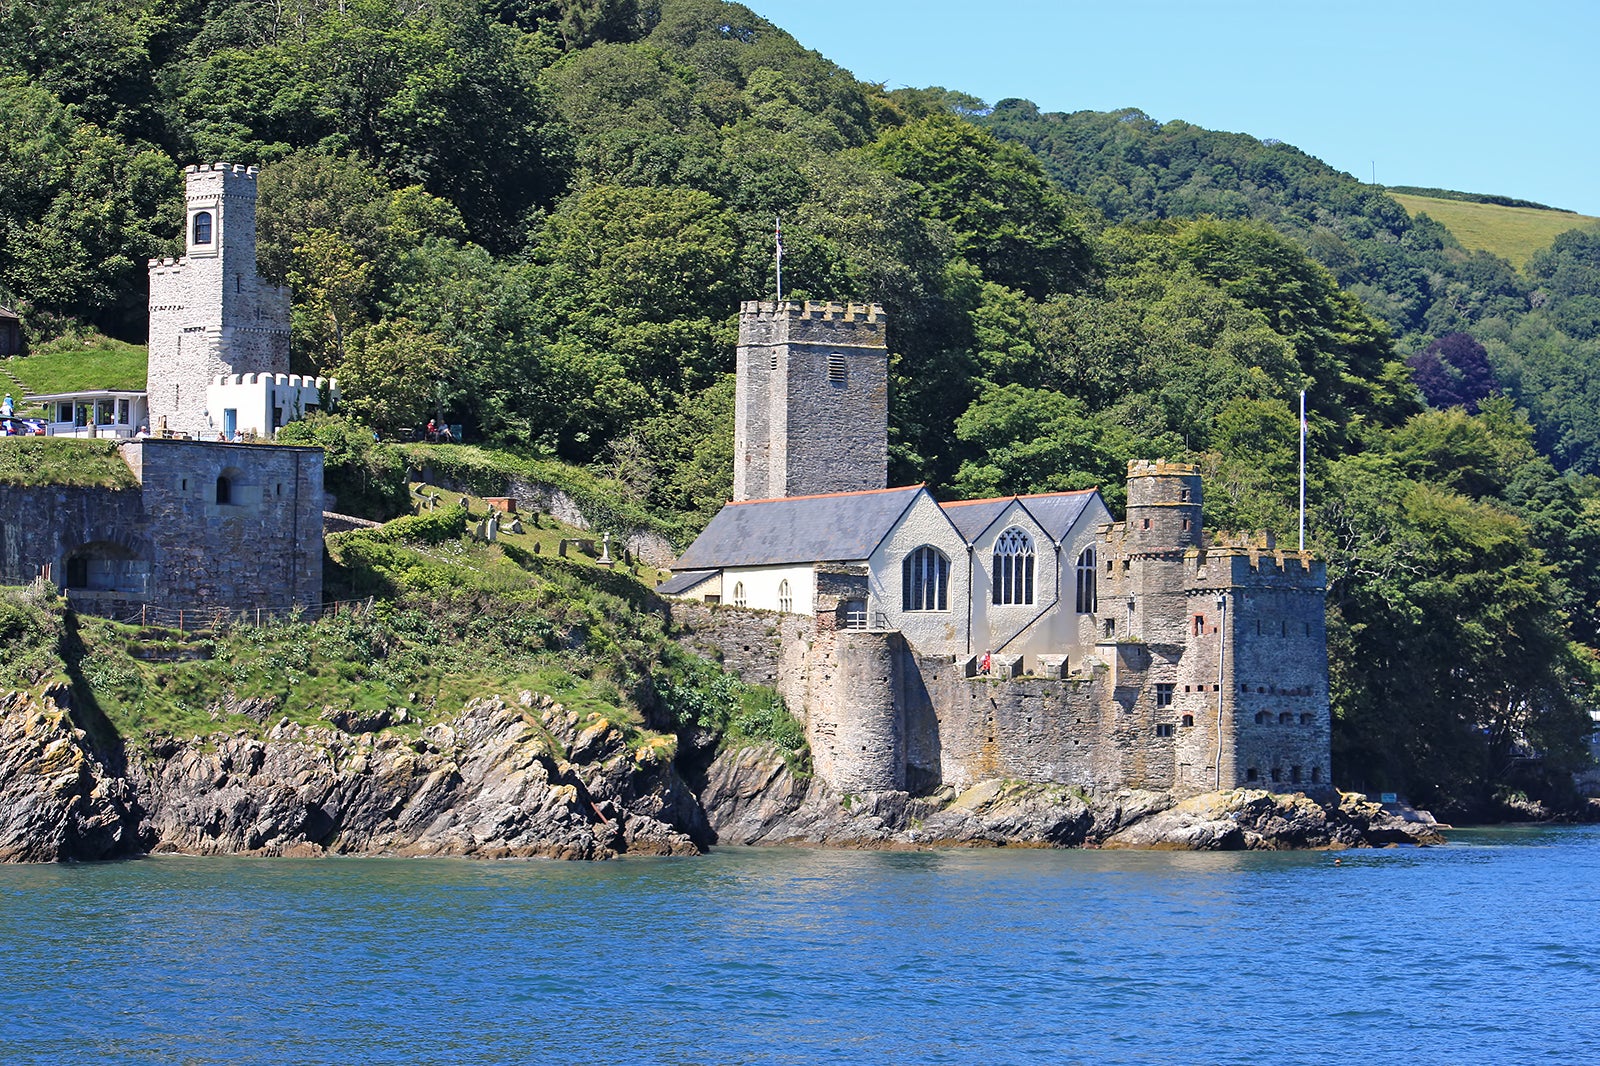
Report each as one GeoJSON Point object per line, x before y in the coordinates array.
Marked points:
{"type": "Point", "coordinates": [528, 779]}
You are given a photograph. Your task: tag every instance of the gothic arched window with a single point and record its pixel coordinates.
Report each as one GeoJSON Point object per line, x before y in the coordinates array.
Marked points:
{"type": "Point", "coordinates": [1013, 567]}
{"type": "Point", "coordinates": [738, 593]}
{"type": "Point", "coordinates": [202, 227]}
{"type": "Point", "coordinates": [925, 580]}
{"type": "Point", "coordinates": [1087, 598]}
{"type": "Point", "coordinates": [785, 599]}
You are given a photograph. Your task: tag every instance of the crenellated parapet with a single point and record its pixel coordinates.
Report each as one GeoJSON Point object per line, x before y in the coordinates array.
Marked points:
{"type": "Point", "coordinates": [1253, 559]}
{"type": "Point", "coordinates": [843, 325]}
{"type": "Point", "coordinates": [292, 381]}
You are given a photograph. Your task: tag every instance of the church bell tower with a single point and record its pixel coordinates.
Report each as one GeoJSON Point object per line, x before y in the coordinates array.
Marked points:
{"type": "Point", "coordinates": [812, 409]}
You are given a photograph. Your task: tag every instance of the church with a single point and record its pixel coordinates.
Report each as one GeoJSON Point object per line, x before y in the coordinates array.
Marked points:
{"type": "Point", "coordinates": [1031, 637]}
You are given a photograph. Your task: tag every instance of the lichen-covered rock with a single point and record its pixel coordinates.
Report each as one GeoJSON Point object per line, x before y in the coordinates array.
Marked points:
{"type": "Point", "coordinates": [750, 797]}
{"type": "Point", "coordinates": [494, 781]}
{"type": "Point", "coordinates": [58, 801]}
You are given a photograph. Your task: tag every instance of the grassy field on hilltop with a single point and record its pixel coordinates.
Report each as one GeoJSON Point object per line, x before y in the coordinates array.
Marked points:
{"type": "Point", "coordinates": [72, 366]}
{"type": "Point", "coordinates": [1513, 232]}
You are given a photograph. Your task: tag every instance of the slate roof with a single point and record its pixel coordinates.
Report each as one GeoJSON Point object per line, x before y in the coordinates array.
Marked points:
{"type": "Point", "coordinates": [682, 582]}
{"type": "Point", "coordinates": [1054, 511]}
{"type": "Point", "coordinates": [835, 527]}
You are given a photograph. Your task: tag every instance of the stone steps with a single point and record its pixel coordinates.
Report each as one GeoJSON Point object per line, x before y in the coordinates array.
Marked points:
{"type": "Point", "coordinates": [17, 389]}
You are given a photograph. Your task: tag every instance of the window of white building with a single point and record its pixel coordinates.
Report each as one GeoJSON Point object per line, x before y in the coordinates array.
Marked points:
{"type": "Point", "coordinates": [1087, 599]}
{"type": "Point", "coordinates": [925, 580]}
{"type": "Point", "coordinates": [738, 593]}
{"type": "Point", "coordinates": [785, 600]}
{"type": "Point", "coordinates": [1013, 567]}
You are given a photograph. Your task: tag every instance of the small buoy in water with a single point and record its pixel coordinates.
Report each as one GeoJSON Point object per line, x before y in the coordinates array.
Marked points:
{"type": "Point", "coordinates": [1337, 861]}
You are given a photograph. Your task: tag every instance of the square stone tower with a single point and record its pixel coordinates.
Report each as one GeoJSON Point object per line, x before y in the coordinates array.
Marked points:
{"type": "Point", "coordinates": [812, 410]}
{"type": "Point", "coordinates": [210, 312]}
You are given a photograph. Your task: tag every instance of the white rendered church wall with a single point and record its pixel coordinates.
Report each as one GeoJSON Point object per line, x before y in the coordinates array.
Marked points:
{"type": "Point", "coordinates": [936, 632]}
{"type": "Point", "coordinates": [762, 587]}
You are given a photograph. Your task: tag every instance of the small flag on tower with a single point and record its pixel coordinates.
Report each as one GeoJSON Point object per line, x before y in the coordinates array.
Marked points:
{"type": "Point", "coordinates": [777, 245]}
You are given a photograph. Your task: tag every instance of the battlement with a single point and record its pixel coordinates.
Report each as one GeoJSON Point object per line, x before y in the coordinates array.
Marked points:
{"type": "Point", "coordinates": [1160, 468]}
{"type": "Point", "coordinates": [235, 170]}
{"type": "Point", "coordinates": [293, 381]}
{"type": "Point", "coordinates": [1250, 559]}
{"type": "Point", "coordinates": [812, 309]}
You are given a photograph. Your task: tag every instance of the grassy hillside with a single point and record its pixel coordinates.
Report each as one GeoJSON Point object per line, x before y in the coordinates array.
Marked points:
{"type": "Point", "coordinates": [451, 618]}
{"type": "Point", "coordinates": [69, 366]}
{"type": "Point", "coordinates": [1512, 232]}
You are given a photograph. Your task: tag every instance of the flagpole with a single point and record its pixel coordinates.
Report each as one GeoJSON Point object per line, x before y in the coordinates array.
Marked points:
{"type": "Point", "coordinates": [777, 243]}
{"type": "Point", "coordinates": [1302, 469]}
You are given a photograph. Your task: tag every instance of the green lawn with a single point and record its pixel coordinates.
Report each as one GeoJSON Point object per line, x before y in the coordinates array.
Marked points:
{"type": "Point", "coordinates": [63, 461]}
{"type": "Point", "coordinates": [1513, 232]}
{"type": "Point", "coordinates": [99, 363]}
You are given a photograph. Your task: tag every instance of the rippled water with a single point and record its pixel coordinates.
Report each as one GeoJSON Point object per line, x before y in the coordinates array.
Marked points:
{"type": "Point", "coordinates": [1483, 951]}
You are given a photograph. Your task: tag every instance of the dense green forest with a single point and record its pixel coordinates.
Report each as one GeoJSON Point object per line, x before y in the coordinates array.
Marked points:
{"type": "Point", "coordinates": [537, 217]}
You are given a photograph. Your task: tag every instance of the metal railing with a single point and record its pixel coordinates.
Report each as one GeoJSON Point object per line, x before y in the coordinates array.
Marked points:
{"type": "Point", "coordinates": [188, 619]}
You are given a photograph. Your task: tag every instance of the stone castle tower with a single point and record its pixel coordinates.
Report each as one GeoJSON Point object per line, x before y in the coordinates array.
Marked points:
{"type": "Point", "coordinates": [210, 312]}
{"type": "Point", "coordinates": [812, 411]}
{"type": "Point", "coordinates": [1225, 633]}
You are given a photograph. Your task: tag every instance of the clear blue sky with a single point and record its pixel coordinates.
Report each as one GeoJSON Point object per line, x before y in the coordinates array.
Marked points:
{"type": "Point", "coordinates": [1481, 97]}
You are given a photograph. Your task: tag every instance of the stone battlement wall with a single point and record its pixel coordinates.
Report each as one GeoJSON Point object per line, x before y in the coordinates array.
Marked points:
{"type": "Point", "coordinates": [1161, 468]}
{"type": "Point", "coordinates": [293, 381]}
{"type": "Point", "coordinates": [879, 716]}
{"type": "Point", "coordinates": [845, 327]}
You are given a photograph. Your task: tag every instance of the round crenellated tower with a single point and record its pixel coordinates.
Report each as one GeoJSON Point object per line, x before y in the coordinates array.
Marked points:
{"type": "Point", "coordinates": [1163, 505]}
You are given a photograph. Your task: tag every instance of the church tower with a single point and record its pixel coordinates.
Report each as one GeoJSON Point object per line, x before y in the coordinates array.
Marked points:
{"type": "Point", "coordinates": [210, 312]}
{"type": "Point", "coordinates": [812, 410]}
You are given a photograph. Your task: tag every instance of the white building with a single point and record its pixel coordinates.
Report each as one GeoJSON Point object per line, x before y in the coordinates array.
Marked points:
{"type": "Point", "coordinates": [1015, 575]}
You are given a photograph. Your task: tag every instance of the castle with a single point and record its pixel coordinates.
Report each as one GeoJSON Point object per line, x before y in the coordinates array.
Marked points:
{"type": "Point", "coordinates": [218, 362]}
{"type": "Point", "coordinates": [212, 525]}
{"type": "Point", "coordinates": [1030, 637]}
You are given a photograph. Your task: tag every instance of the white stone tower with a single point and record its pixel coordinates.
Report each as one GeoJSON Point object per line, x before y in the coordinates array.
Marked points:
{"type": "Point", "coordinates": [812, 410]}
{"type": "Point", "coordinates": [210, 312]}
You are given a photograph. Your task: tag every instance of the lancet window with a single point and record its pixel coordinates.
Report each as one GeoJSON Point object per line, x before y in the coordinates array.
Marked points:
{"type": "Point", "coordinates": [1087, 600]}
{"type": "Point", "coordinates": [1013, 567]}
{"type": "Point", "coordinates": [925, 580]}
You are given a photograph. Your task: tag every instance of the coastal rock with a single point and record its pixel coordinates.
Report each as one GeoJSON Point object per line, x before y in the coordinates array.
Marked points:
{"type": "Point", "coordinates": [58, 801]}
{"type": "Point", "coordinates": [751, 797]}
{"type": "Point", "coordinates": [492, 782]}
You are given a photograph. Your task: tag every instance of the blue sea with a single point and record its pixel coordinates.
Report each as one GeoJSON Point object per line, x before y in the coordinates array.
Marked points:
{"type": "Point", "coordinates": [1484, 951]}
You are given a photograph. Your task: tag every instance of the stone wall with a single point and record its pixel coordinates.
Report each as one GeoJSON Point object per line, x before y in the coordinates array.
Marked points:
{"type": "Point", "coordinates": [758, 647]}
{"type": "Point", "coordinates": [172, 542]}
{"type": "Point", "coordinates": [538, 497]}
{"type": "Point", "coordinates": [40, 526]}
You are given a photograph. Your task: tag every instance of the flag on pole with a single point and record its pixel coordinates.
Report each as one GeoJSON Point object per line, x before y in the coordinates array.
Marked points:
{"type": "Point", "coordinates": [777, 246]}
{"type": "Point", "coordinates": [1302, 469]}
